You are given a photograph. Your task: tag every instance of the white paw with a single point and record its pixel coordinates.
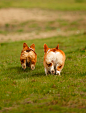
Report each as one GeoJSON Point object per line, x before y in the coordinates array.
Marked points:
{"type": "Point", "coordinates": [46, 71]}
{"type": "Point", "coordinates": [57, 72]}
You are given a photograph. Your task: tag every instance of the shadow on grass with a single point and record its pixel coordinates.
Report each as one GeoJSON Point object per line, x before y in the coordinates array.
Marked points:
{"type": "Point", "coordinates": [19, 73]}
{"type": "Point", "coordinates": [19, 69]}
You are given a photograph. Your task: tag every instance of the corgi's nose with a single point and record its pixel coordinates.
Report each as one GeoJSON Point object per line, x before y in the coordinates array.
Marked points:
{"type": "Point", "coordinates": [23, 66]}
{"type": "Point", "coordinates": [52, 71]}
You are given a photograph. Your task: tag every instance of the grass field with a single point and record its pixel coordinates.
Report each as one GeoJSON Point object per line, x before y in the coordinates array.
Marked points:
{"type": "Point", "coordinates": [45, 4]}
{"type": "Point", "coordinates": [32, 91]}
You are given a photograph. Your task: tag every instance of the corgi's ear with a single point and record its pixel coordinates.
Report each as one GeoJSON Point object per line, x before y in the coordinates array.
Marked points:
{"type": "Point", "coordinates": [45, 48]}
{"type": "Point", "coordinates": [25, 46]}
{"type": "Point", "coordinates": [57, 47]}
{"type": "Point", "coordinates": [33, 46]}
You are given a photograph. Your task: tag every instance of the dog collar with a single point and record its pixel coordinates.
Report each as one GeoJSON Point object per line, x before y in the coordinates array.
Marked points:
{"type": "Point", "coordinates": [31, 48]}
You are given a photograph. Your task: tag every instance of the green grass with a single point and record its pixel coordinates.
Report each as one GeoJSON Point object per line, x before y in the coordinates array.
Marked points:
{"type": "Point", "coordinates": [31, 91]}
{"type": "Point", "coordinates": [45, 4]}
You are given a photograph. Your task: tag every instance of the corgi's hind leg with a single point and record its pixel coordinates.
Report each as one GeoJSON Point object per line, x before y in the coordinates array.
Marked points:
{"type": "Point", "coordinates": [23, 63]}
{"type": "Point", "coordinates": [58, 69]}
{"type": "Point", "coordinates": [32, 65]}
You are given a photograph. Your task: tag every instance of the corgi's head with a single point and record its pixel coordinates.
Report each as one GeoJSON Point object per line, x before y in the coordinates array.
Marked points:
{"type": "Point", "coordinates": [28, 56]}
{"type": "Point", "coordinates": [26, 48]}
{"type": "Point", "coordinates": [47, 49]}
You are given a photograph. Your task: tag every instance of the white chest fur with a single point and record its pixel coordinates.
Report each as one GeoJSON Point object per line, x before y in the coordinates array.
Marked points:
{"type": "Point", "coordinates": [56, 57]}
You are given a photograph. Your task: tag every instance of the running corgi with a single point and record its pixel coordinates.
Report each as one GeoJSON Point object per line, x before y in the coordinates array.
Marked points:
{"type": "Point", "coordinates": [28, 56]}
{"type": "Point", "coordinates": [54, 60]}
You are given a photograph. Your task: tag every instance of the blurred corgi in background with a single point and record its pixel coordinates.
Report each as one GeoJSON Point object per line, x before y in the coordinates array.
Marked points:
{"type": "Point", "coordinates": [28, 56]}
{"type": "Point", "coordinates": [54, 60]}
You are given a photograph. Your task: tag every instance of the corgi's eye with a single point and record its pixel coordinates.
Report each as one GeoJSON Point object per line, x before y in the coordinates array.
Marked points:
{"type": "Point", "coordinates": [22, 61]}
{"type": "Point", "coordinates": [60, 66]}
{"type": "Point", "coordinates": [50, 64]}
{"type": "Point", "coordinates": [27, 51]}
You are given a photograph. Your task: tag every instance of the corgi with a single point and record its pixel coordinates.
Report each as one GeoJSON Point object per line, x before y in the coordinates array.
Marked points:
{"type": "Point", "coordinates": [54, 60]}
{"type": "Point", "coordinates": [28, 56]}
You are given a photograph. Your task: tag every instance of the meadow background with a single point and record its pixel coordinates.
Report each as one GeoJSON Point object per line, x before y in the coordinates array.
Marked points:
{"type": "Point", "coordinates": [51, 22]}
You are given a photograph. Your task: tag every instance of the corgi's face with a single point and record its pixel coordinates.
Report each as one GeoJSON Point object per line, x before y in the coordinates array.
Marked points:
{"type": "Point", "coordinates": [28, 56]}
{"type": "Point", "coordinates": [49, 63]}
{"type": "Point", "coordinates": [53, 59]}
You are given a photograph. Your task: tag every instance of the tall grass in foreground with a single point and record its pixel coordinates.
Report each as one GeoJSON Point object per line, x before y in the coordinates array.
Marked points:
{"type": "Point", "coordinates": [32, 91]}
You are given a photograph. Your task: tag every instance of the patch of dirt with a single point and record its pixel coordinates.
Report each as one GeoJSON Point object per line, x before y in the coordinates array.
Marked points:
{"type": "Point", "coordinates": [34, 35]}
{"type": "Point", "coordinates": [19, 15]}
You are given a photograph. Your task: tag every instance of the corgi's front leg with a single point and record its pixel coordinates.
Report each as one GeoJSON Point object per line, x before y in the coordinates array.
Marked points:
{"type": "Point", "coordinates": [46, 71]}
{"type": "Point", "coordinates": [58, 69]}
{"type": "Point", "coordinates": [57, 72]}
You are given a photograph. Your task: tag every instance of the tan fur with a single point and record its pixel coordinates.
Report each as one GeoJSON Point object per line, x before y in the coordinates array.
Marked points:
{"type": "Point", "coordinates": [54, 60]}
{"type": "Point", "coordinates": [28, 56]}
